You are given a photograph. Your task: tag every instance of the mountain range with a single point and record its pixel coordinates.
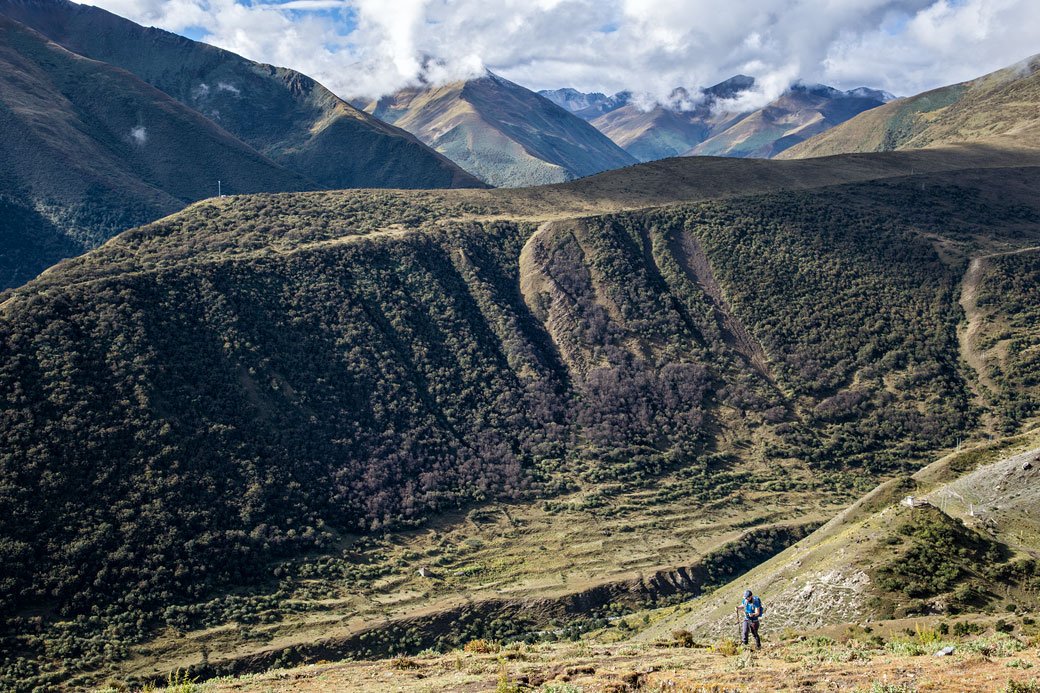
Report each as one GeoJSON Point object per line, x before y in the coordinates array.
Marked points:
{"type": "Point", "coordinates": [1002, 102]}
{"type": "Point", "coordinates": [501, 132]}
{"type": "Point", "coordinates": [109, 125]}
{"type": "Point", "coordinates": [711, 124]}
{"type": "Point", "coordinates": [586, 106]}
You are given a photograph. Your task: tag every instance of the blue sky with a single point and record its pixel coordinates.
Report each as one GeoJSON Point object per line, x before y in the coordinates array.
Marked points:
{"type": "Point", "coordinates": [372, 47]}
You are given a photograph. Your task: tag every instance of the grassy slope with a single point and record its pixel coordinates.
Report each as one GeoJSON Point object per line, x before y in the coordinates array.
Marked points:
{"type": "Point", "coordinates": [501, 132]}
{"type": "Point", "coordinates": [283, 114]}
{"type": "Point", "coordinates": [854, 662]}
{"type": "Point", "coordinates": [73, 166]}
{"type": "Point", "coordinates": [854, 568]}
{"type": "Point", "coordinates": [1004, 102]}
{"type": "Point", "coordinates": [814, 632]}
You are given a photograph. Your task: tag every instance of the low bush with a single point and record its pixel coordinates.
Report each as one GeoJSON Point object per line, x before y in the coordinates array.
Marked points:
{"type": "Point", "coordinates": [482, 646]}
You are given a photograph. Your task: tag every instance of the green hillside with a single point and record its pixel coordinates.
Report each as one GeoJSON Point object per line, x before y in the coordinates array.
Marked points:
{"type": "Point", "coordinates": [268, 375]}
{"type": "Point", "coordinates": [1008, 336]}
{"type": "Point", "coordinates": [1001, 103]}
{"type": "Point", "coordinates": [88, 150]}
{"type": "Point", "coordinates": [501, 132]}
{"type": "Point", "coordinates": [969, 549]}
{"type": "Point", "coordinates": [281, 113]}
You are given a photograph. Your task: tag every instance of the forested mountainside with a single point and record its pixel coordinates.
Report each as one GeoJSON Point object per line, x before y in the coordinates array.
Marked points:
{"type": "Point", "coordinates": [79, 164]}
{"type": "Point", "coordinates": [501, 132]}
{"type": "Point", "coordinates": [89, 149]}
{"type": "Point", "coordinates": [1004, 102]}
{"type": "Point", "coordinates": [261, 374]}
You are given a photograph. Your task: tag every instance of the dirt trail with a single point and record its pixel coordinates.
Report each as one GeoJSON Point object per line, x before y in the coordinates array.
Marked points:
{"type": "Point", "coordinates": [968, 338]}
{"type": "Point", "coordinates": [687, 250]}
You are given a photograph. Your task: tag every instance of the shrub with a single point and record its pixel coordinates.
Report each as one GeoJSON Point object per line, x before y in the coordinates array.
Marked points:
{"type": "Point", "coordinates": [684, 638]}
{"type": "Point", "coordinates": [726, 647]}
{"type": "Point", "coordinates": [996, 645]}
{"type": "Point", "coordinates": [179, 682]}
{"type": "Point", "coordinates": [1014, 687]}
{"type": "Point", "coordinates": [505, 683]}
{"type": "Point", "coordinates": [962, 628]}
{"type": "Point", "coordinates": [926, 635]}
{"type": "Point", "coordinates": [482, 646]}
{"type": "Point", "coordinates": [905, 648]}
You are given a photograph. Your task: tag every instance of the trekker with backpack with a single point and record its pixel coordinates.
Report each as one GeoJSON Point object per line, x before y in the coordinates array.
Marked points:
{"type": "Point", "coordinates": [751, 608]}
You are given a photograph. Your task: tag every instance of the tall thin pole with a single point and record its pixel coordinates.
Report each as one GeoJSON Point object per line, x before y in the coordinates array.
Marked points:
{"type": "Point", "coordinates": [218, 189]}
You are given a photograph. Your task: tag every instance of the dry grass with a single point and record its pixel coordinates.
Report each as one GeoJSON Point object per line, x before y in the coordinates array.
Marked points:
{"type": "Point", "coordinates": [1000, 106]}
{"type": "Point", "coordinates": [810, 664]}
{"type": "Point", "coordinates": [518, 552]}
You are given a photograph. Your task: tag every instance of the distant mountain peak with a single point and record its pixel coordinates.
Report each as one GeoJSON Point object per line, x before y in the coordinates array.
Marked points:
{"type": "Point", "coordinates": [502, 132]}
{"type": "Point", "coordinates": [727, 89]}
{"type": "Point", "coordinates": [868, 93]}
{"type": "Point", "coordinates": [715, 125]}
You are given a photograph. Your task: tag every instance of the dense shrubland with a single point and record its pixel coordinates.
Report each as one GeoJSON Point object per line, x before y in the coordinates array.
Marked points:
{"type": "Point", "coordinates": [938, 555]}
{"type": "Point", "coordinates": [858, 315]}
{"type": "Point", "coordinates": [212, 393]}
{"type": "Point", "coordinates": [1010, 295]}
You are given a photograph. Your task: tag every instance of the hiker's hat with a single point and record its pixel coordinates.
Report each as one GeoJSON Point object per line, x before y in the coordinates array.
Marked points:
{"type": "Point", "coordinates": [747, 593]}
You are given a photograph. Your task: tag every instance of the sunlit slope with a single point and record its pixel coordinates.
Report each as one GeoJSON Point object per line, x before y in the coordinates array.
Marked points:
{"type": "Point", "coordinates": [967, 549]}
{"type": "Point", "coordinates": [502, 133]}
{"type": "Point", "coordinates": [1004, 103]}
{"type": "Point", "coordinates": [796, 115]}
{"type": "Point", "coordinates": [716, 126]}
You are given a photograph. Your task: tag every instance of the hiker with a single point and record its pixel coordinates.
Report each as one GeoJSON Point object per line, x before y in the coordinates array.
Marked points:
{"type": "Point", "coordinates": [751, 607]}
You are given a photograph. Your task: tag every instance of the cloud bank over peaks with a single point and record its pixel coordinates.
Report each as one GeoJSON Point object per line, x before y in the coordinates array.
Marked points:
{"type": "Point", "coordinates": [375, 47]}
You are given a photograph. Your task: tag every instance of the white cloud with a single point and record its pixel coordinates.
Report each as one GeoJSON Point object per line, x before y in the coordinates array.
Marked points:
{"type": "Point", "coordinates": [138, 135]}
{"type": "Point", "coordinates": [371, 47]}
